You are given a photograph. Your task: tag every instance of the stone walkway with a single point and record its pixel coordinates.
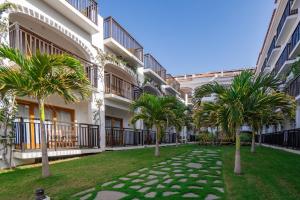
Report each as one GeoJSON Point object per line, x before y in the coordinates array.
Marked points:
{"type": "Point", "coordinates": [194, 175]}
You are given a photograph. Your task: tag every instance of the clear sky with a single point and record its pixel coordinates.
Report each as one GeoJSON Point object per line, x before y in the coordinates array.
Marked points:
{"type": "Point", "coordinates": [194, 36]}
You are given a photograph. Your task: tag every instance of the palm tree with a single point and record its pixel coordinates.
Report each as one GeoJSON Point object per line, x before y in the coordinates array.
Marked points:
{"type": "Point", "coordinates": [155, 111]}
{"type": "Point", "coordinates": [39, 76]}
{"type": "Point", "coordinates": [180, 117]}
{"type": "Point", "coordinates": [233, 101]}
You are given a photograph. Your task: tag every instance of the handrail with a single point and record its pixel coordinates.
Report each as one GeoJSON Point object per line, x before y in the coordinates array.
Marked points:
{"type": "Point", "coordinates": [151, 63]}
{"type": "Point", "coordinates": [29, 43]}
{"type": "Point", "coordinates": [173, 82]}
{"type": "Point", "coordinates": [88, 8]}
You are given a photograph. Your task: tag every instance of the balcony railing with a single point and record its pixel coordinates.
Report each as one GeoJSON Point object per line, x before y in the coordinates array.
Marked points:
{"type": "Point", "coordinates": [134, 137]}
{"type": "Point", "coordinates": [59, 135]}
{"type": "Point", "coordinates": [120, 87]}
{"type": "Point", "coordinates": [173, 82]}
{"type": "Point", "coordinates": [282, 59]}
{"type": "Point", "coordinates": [295, 37]}
{"type": "Point", "coordinates": [151, 63]}
{"type": "Point", "coordinates": [272, 46]}
{"type": "Point", "coordinates": [287, 12]}
{"type": "Point", "coordinates": [287, 138]}
{"type": "Point", "coordinates": [113, 29]}
{"type": "Point", "coordinates": [29, 43]}
{"type": "Point", "coordinates": [294, 88]}
{"type": "Point", "coordinates": [88, 8]}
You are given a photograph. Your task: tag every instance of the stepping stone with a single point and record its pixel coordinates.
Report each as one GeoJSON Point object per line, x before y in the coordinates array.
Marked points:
{"type": "Point", "coordinates": [157, 172]}
{"type": "Point", "coordinates": [219, 189]}
{"type": "Point", "coordinates": [136, 187]}
{"type": "Point", "coordinates": [219, 163]}
{"type": "Point", "coordinates": [167, 176]}
{"type": "Point", "coordinates": [218, 172]}
{"type": "Point", "coordinates": [124, 179]}
{"type": "Point", "coordinates": [175, 187]}
{"type": "Point", "coordinates": [165, 169]}
{"type": "Point", "coordinates": [211, 197]}
{"type": "Point", "coordinates": [195, 187]}
{"type": "Point", "coordinates": [203, 170]}
{"type": "Point", "coordinates": [183, 180]}
{"type": "Point", "coordinates": [142, 170]}
{"type": "Point", "coordinates": [190, 170]}
{"type": "Point", "coordinates": [137, 181]}
{"type": "Point", "coordinates": [110, 195]}
{"type": "Point", "coordinates": [190, 195]}
{"type": "Point", "coordinates": [151, 182]}
{"type": "Point", "coordinates": [160, 186]}
{"type": "Point", "coordinates": [83, 192]}
{"type": "Point", "coordinates": [162, 163]}
{"type": "Point", "coordinates": [202, 181]}
{"type": "Point", "coordinates": [194, 165]}
{"type": "Point", "coordinates": [133, 174]}
{"type": "Point", "coordinates": [176, 164]}
{"type": "Point", "coordinates": [176, 158]}
{"type": "Point", "coordinates": [119, 185]}
{"type": "Point", "coordinates": [179, 175]}
{"type": "Point", "coordinates": [108, 183]}
{"type": "Point", "coordinates": [145, 189]}
{"type": "Point", "coordinates": [177, 171]}
{"type": "Point", "coordinates": [150, 195]}
{"type": "Point", "coordinates": [142, 175]}
{"type": "Point", "coordinates": [169, 193]}
{"type": "Point", "coordinates": [85, 197]}
{"type": "Point", "coordinates": [168, 181]}
{"type": "Point", "coordinates": [194, 175]}
{"type": "Point", "coordinates": [217, 181]}
{"type": "Point", "coordinates": [213, 176]}
{"type": "Point", "coordinates": [151, 177]}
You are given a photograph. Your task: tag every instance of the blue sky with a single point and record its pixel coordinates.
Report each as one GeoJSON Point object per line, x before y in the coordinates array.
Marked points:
{"type": "Point", "coordinates": [194, 36]}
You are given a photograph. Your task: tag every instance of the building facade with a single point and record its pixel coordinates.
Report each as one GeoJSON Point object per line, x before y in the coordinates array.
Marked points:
{"type": "Point", "coordinates": [281, 48]}
{"type": "Point", "coordinates": [115, 64]}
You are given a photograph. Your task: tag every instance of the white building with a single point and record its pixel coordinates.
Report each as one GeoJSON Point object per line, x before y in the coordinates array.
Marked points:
{"type": "Point", "coordinates": [113, 61]}
{"type": "Point", "coordinates": [281, 48]}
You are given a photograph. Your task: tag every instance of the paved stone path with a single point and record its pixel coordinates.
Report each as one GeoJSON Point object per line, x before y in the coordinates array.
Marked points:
{"type": "Point", "coordinates": [194, 175]}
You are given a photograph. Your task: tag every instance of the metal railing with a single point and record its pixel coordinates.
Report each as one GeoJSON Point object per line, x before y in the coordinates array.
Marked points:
{"type": "Point", "coordinates": [295, 37]}
{"type": "Point", "coordinates": [120, 87]}
{"type": "Point", "coordinates": [272, 46]}
{"type": "Point", "coordinates": [114, 30]}
{"type": "Point", "coordinates": [282, 59]}
{"type": "Point", "coordinates": [88, 8]}
{"type": "Point", "coordinates": [135, 137]}
{"type": "Point", "coordinates": [173, 82]}
{"type": "Point", "coordinates": [59, 135]}
{"type": "Point", "coordinates": [151, 63]}
{"type": "Point", "coordinates": [294, 87]}
{"type": "Point", "coordinates": [287, 12]}
{"type": "Point", "coordinates": [287, 138]}
{"type": "Point", "coordinates": [30, 43]}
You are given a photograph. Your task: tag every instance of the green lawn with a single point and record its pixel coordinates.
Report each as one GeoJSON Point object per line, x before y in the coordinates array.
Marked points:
{"type": "Point", "coordinates": [268, 174]}
{"type": "Point", "coordinates": [76, 175]}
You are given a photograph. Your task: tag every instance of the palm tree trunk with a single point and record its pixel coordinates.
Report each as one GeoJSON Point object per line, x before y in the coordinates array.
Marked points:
{"type": "Point", "coordinates": [45, 161]}
{"type": "Point", "coordinates": [260, 137]}
{"type": "Point", "coordinates": [253, 142]}
{"type": "Point", "coordinates": [157, 153]}
{"type": "Point", "coordinates": [237, 163]}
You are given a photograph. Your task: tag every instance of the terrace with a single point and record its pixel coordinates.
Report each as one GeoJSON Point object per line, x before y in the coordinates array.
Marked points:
{"type": "Point", "coordinates": [154, 69]}
{"type": "Point", "coordinates": [173, 85]}
{"type": "Point", "coordinates": [29, 43]}
{"type": "Point", "coordinates": [121, 42]}
{"type": "Point", "coordinates": [88, 8]}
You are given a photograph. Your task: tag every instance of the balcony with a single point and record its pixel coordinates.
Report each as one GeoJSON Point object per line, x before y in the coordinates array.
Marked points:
{"type": "Point", "coordinates": [154, 69]}
{"type": "Point", "coordinates": [29, 43]}
{"type": "Point", "coordinates": [88, 8]}
{"type": "Point", "coordinates": [121, 42]}
{"type": "Point", "coordinates": [120, 90]}
{"type": "Point", "coordinates": [171, 81]}
{"type": "Point", "coordinates": [283, 63]}
{"type": "Point", "coordinates": [119, 137]}
{"type": "Point", "coordinates": [273, 53]}
{"type": "Point", "coordinates": [60, 136]}
{"type": "Point", "coordinates": [294, 87]}
{"type": "Point", "coordinates": [286, 23]}
{"type": "Point", "coordinates": [83, 13]}
{"type": "Point", "coordinates": [295, 42]}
